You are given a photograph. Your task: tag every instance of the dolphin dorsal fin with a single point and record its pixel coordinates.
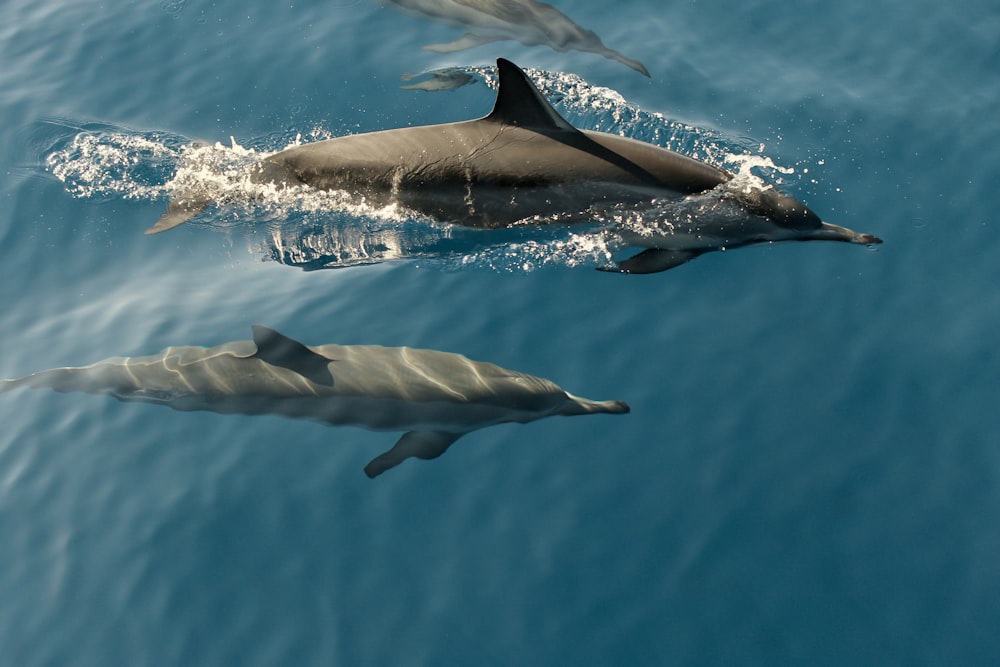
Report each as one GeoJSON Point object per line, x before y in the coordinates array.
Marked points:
{"type": "Point", "coordinates": [520, 103]}
{"type": "Point", "coordinates": [280, 350]}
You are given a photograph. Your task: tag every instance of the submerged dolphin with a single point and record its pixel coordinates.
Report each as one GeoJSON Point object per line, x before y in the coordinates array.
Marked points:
{"type": "Point", "coordinates": [436, 397]}
{"type": "Point", "coordinates": [449, 78]}
{"type": "Point", "coordinates": [524, 162]}
{"type": "Point", "coordinates": [527, 21]}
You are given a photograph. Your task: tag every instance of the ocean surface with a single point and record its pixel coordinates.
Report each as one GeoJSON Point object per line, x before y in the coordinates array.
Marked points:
{"type": "Point", "coordinates": [810, 473]}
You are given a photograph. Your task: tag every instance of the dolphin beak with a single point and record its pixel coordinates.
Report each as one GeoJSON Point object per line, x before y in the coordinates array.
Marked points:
{"type": "Point", "coordinates": [868, 239]}
{"type": "Point", "coordinates": [829, 232]}
{"type": "Point", "coordinates": [585, 406]}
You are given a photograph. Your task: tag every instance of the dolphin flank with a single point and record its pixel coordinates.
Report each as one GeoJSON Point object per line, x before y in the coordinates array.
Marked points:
{"type": "Point", "coordinates": [434, 397]}
{"type": "Point", "coordinates": [524, 162]}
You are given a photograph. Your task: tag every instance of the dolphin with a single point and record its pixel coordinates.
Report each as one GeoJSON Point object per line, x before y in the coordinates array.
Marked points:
{"type": "Point", "coordinates": [448, 78]}
{"type": "Point", "coordinates": [523, 162]}
{"type": "Point", "coordinates": [527, 21]}
{"type": "Point", "coordinates": [435, 397]}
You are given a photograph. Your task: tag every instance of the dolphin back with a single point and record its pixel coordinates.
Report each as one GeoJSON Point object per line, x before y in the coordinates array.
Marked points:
{"type": "Point", "coordinates": [174, 372]}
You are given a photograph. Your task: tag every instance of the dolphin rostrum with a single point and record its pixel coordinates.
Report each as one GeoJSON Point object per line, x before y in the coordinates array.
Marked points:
{"type": "Point", "coordinates": [527, 21]}
{"type": "Point", "coordinates": [524, 163]}
{"type": "Point", "coordinates": [435, 397]}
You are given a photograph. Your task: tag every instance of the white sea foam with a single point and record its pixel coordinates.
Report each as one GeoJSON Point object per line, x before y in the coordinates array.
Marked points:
{"type": "Point", "coordinates": [104, 164]}
{"type": "Point", "coordinates": [576, 249]}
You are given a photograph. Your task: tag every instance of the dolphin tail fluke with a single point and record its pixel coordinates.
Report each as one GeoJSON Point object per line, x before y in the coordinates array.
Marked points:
{"type": "Point", "coordinates": [59, 379]}
{"type": "Point", "coordinates": [42, 379]}
{"type": "Point", "coordinates": [653, 260]}
{"type": "Point", "coordinates": [179, 211]}
{"type": "Point", "coordinates": [10, 385]}
{"type": "Point", "coordinates": [421, 444]}
{"type": "Point", "coordinates": [111, 376]}
{"type": "Point", "coordinates": [628, 62]}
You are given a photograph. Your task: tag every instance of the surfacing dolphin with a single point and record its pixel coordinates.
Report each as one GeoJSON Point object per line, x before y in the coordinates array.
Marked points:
{"type": "Point", "coordinates": [435, 397]}
{"type": "Point", "coordinates": [527, 21]}
{"type": "Point", "coordinates": [524, 163]}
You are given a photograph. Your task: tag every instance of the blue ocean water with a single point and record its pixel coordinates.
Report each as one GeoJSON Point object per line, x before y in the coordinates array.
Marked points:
{"type": "Point", "coordinates": [810, 473]}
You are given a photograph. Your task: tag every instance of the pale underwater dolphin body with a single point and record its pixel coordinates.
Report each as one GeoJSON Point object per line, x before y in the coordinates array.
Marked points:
{"type": "Point", "coordinates": [435, 397]}
{"type": "Point", "coordinates": [526, 21]}
{"type": "Point", "coordinates": [524, 163]}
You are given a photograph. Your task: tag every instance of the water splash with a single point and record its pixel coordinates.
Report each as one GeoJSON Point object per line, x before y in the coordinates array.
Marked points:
{"type": "Point", "coordinates": [593, 249]}
{"type": "Point", "coordinates": [106, 162]}
{"type": "Point", "coordinates": [745, 170]}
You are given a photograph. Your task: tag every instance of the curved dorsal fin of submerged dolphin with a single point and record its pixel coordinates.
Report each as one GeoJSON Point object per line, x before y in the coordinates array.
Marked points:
{"type": "Point", "coordinates": [523, 161]}
{"type": "Point", "coordinates": [279, 350]}
{"type": "Point", "coordinates": [434, 397]}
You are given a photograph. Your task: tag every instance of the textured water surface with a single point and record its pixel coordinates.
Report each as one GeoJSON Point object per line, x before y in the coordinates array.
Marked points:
{"type": "Point", "coordinates": [810, 471]}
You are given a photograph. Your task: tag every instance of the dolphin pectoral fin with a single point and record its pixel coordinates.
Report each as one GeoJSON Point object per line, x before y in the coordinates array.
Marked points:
{"type": "Point", "coordinates": [421, 444]}
{"type": "Point", "coordinates": [653, 260]}
{"type": "Point", "coordinates": [280, 350]}
{"type": "Point", "coordinates": [466, 41]}
{"type": "Point", "coordinates": [178, 212]}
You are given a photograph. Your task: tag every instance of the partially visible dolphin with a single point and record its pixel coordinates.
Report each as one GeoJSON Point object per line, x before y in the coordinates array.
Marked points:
{"type": "Point", "coordinates": [527, 21]}
{"type": "Point", "coordinates": [524, 162]}
{"type": "Point", "coordinates": [435, 397]}
{"type": "Point", "coordinates": [449, 78]}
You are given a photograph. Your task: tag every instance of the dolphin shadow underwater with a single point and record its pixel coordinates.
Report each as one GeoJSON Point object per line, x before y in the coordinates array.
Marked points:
{"type": "Point", "coordinates": [524, 164]}
{"type": "Point", "coordinates": [435, 397]}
